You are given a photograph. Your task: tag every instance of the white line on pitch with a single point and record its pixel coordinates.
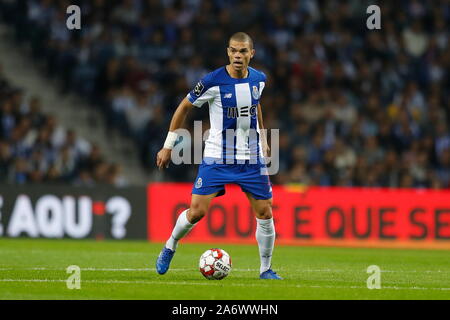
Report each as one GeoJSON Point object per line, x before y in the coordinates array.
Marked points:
{"type": "Point", "coordinates": [104, 269]}
{"type": "Point", "coordinates": [206, 283]}
{"type": "Point", "coordinates": [239, 270]}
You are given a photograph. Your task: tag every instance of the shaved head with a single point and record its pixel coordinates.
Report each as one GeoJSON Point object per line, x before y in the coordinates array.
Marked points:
{"type": "Point", "coordinates": [241, 37]}
{"type": "Point", "coordinates": [240, 51]}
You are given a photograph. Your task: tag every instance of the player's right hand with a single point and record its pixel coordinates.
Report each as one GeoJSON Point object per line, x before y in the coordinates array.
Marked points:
{"type": "Point", "coordinates": [163, 158]}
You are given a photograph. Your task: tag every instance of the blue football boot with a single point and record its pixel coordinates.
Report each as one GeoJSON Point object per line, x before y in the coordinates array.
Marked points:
{"type": "Point", "coordinates": [163, 261]}
{"type": "Point", "coordinates": [270, 275]}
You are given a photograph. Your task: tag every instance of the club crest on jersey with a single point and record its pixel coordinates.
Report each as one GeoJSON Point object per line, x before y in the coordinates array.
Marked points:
{"type": "Point", "coordinates": [198, 184]}
{"type": "Point", "coordinates": [199, 88]}
{"type": "Point", "coordinates": [255, 93]}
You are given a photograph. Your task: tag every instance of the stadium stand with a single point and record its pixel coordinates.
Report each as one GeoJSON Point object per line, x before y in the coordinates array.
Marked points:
{"type": "Point", "coordinates": [356, 107]}
{"type": "Point", "coordinates": [34, 148]}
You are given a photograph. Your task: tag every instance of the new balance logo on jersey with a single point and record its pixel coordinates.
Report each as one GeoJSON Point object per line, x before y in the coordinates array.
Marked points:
{"type": "Point", "coordinates": [246, 111]}
{"type": "Point", "coordinates": [227, 95]}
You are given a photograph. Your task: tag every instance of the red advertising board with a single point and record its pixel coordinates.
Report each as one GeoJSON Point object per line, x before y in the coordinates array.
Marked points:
{"type": "Point", "coordinates": [316, 216]}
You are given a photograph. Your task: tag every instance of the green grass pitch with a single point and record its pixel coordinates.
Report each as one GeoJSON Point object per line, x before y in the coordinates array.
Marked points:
{"type": "Point", "coordinates": [36, 269]}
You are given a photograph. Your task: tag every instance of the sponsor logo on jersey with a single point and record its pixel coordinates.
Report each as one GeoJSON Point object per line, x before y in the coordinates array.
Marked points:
{"type": "Point", "coordinates": [227, 95]}
{"type": "Point", "coordinates": [245, 111]}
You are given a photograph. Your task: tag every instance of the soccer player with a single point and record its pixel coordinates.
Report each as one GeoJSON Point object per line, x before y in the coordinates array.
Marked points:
{"type": "Point", "coordinates": [233, 93]}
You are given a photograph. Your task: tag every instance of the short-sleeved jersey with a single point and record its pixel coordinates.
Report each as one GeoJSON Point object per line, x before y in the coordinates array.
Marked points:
{"type": "Point", "coordinates": [233, 111]}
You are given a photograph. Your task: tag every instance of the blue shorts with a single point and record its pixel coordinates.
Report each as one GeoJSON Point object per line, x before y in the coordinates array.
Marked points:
{"type": "Point", "coordinates": [252, 178]}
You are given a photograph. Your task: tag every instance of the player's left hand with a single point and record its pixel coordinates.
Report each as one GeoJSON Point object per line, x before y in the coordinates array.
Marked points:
{"type": "Point", "coordinates": [163, 158]}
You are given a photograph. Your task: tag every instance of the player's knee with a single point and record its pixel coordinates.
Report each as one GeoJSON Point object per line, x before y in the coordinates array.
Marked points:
{"type": "Point", "coordinates": [196, 213]}
{"type": "Point", "coordinates": [265, 211]}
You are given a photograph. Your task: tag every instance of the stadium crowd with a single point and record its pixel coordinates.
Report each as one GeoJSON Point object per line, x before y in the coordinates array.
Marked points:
{"type": "Point", "coordinates": [355, 107]}
{"type": "Point", "coordinates": [34, 148]}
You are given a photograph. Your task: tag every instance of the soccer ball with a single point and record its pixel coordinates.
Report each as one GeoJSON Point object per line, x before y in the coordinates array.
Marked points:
{"type": "Point", "coordinates": [215, 264]}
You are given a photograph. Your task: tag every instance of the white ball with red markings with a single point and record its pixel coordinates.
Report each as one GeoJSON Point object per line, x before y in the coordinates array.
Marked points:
{"type": "Point", "coordinates": [215, 264]}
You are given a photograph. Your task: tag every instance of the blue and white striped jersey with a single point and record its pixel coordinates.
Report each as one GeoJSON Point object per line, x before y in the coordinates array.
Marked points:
{"type": "Point", "coordinates": [234, 131]}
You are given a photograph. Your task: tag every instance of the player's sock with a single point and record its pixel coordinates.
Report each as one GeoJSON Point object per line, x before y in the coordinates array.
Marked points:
{"type": "Point", "coordinates": [265, 235]}
{"type": "Point", "coordinates": [182, 227]}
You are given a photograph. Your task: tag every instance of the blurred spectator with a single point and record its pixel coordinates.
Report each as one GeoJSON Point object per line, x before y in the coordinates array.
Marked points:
{"type": "Point", "coordinates": [139, 116]}
{"type": "Point", "coordinates": [416, 40]}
